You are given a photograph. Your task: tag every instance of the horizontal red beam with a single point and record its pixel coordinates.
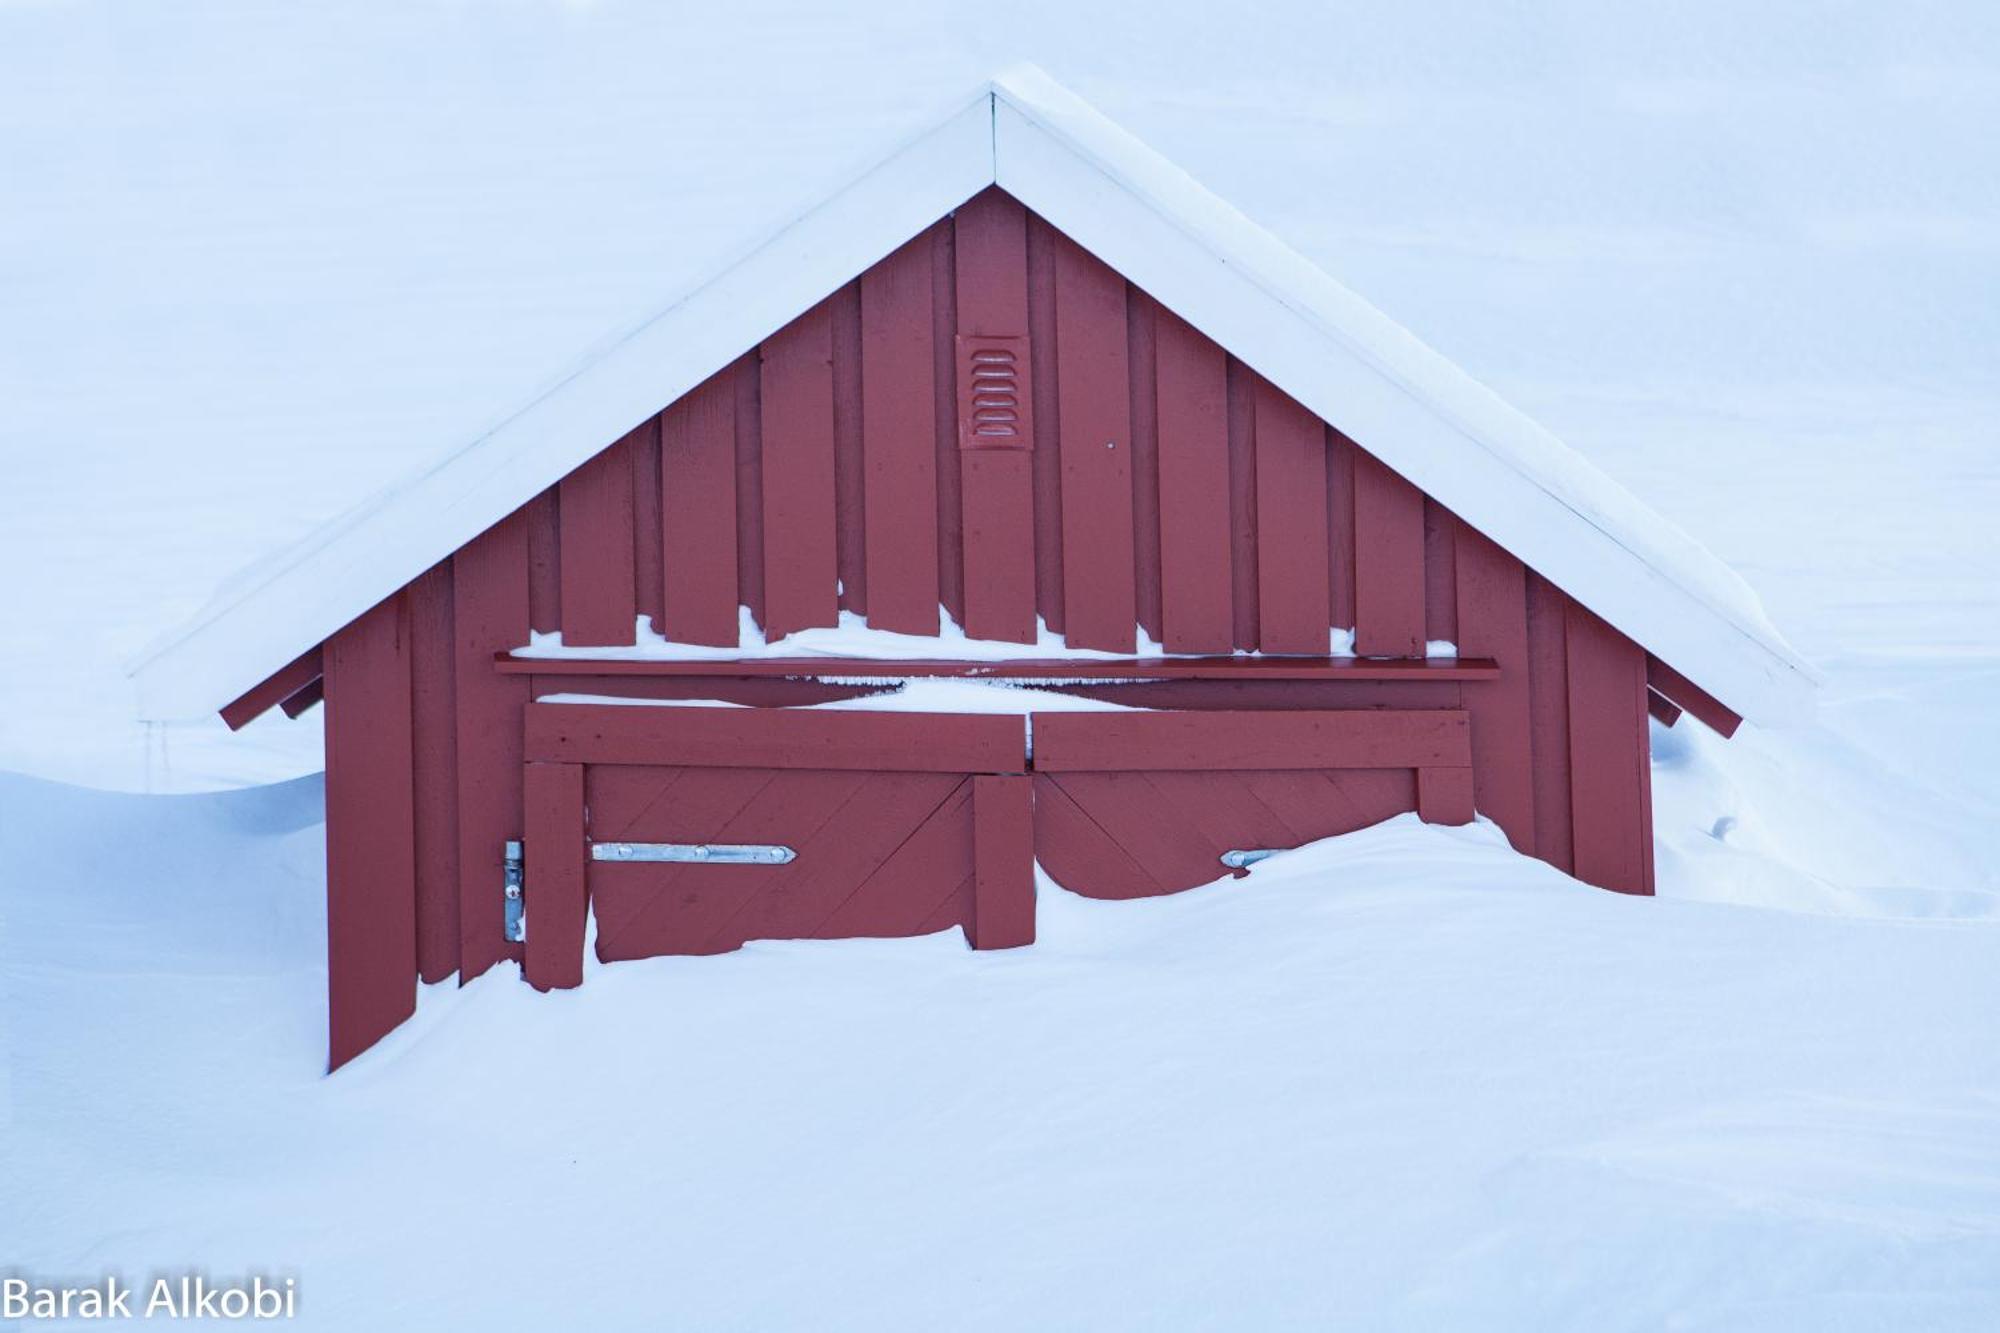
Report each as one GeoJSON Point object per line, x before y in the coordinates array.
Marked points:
{"type": "Point", "coordinates": [774, 738]}
{"type": "Point", "coordinates": [1129, 668]}
{"type": "Point", "coordinates": [279, 686]}
{"type": "Point", "coordinates": [1348, 738]}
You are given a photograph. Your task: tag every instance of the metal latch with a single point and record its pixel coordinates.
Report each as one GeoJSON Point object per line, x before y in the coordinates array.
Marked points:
{"type": "Point", "coordinates": [1240, 860]}
{"type": "Point", "coordinates": [517, 925]}
{"type": "Point", "coordinates": [711, 853]}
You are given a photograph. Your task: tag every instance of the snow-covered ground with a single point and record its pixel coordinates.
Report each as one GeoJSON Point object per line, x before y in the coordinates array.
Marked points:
{"type": "Point", "coordinates": [256, 263]}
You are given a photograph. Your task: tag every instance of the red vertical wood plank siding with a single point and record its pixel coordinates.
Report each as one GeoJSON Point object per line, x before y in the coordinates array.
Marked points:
{"type": "Point", "coordinates": [1607, 755]}
{"type": "Point", "coordinates": [1241, 408]}
{"type": "Point", "coordinates": [1340, 452]}
{"type": "Point", "coordinates": [698, 511]}
{"type": "Point", "coordinates": [1094, 418]}
{"type": "Point", "coordinates": [850, 506]}
{"type": "Point", "coordinates": [944, 375]}
{"type": "Point", "coordinates": [1293, 597]}
{"type": "Point", "coordinates": [1003, 843]}
{"type": "Point", "coordinates": [898, 511]}
{"type": "Point", "coordinates": [648, 564]}
{"type": "Point", "coordinates": [1491, 595]}
{"type": "Point", "coordinates": [800, 552]}
{"type": "Point", "coordinates": [371, 886]}
{"type": "Point", "coordinates": [1388, 562]}
{"type": "Point", "coordinates": [1646, 796]}
{"type": "Point", "coordinates": [1440, 576]}
{"type": "Point", "coordinates": [1142, 336]}
{"type": "Point", "coordinates": [597, 583]}
{"type": "Point", "coordinates": [1548, 704]}
{"type": "Point", "coordinates": [746, 377]}
{"type": "Point", "coordinates": [1047, 463]}
{"type": "Point", "coordinates": [433, 728]}
{"type": "Point", "coordinates": [556, 900]}
{"type": "Point", "coordinates": [996, 485]}
{"type": "Point", "coordinates": [1191, 390]}
{"type": "Point", "coordinates": [489, 615]}
{"type": "Point", "coordinates": [544, 562]}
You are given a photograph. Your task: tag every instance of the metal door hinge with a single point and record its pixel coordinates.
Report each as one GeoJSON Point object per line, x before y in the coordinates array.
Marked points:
{"type": "Point", "coordinates": [517, 925]}
{"type": "Point", "coordinates": [711, 853]}
{"type": "Point", "coordinates": [1241, 860]}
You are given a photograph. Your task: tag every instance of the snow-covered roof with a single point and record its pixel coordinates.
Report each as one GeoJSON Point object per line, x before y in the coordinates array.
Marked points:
{"type": "Point", "coordinates": [1265, 303]}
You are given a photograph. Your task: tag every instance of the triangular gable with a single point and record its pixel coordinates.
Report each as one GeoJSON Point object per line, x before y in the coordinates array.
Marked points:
{"type": "Point", "coordinates": [1321, 344]}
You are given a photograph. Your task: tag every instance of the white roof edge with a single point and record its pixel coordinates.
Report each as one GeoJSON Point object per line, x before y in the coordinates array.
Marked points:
{"type": "Point", "coordinates": [1403, 401]}
{"type": "Point", "coordinates": [1146, 218]}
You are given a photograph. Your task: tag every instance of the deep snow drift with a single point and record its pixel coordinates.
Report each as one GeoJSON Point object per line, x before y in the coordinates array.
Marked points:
{"type": "Point", "coordinates": [1404, 1079]}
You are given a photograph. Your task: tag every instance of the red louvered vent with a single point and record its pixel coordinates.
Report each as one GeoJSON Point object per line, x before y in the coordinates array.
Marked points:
{"type": "Point", "coordinates": [995, 405]}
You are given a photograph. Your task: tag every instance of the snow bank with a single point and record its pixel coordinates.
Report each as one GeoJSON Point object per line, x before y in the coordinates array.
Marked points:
{"type": "Point", "coordinates": [1371, 1085]}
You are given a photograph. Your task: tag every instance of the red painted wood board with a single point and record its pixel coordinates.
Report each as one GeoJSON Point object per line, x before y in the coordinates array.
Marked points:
{"type": "Point", "coordinates": [944, 391]}
{"type": "Point", "coordinates": [648, 556]}
{"type": "Point", "coordinates": [747, 377]}
{"type": "Point", "coordinates": [598, 595]}
{"type": "Point", "coordinates": [925, 885]}
{"type": "Point", "coordinates": [850, 466]}
{"type": "Point", "coordinates": [1434, 669]}
{"type": "Point", "coordinates": [698, 507]}
{"type": "Point", "coordinates": [1441, 528]}
{"type": "Point", "coordinates": [1078, 854]}
{"type": "Point", "coordinates": [1686, 695]}
{"type": "Point", "coordinates": [489, 613]}
{"type": "Point", "coordinates": [875, 853]}
{"type": "Point", "coordinates": [800, 552]}
{"type": "Point", "coordinates": [1142, 316]}
{"type": "Point", "coordinates": [1293, 595]}
{"type": "Point", "coordinates": [996, 487]}
{"type": "Point", "coordinates": [1444, 795]}
{"type": "Point", "coordinates": [997, 526]}
{"type": "Point", "coordinates": [1094, 421]}
{"type": "Point", "coordinates": [1340, 452]}
{"type": "Point", "coordinates": [1191, 390]}
{"type": "Point", "coordinates": [1388, 562]}
{"type": "Point", "coordinates": [273, 690]}
{"type": "Point", "coordinates": [1663, 710]}
{"type": "Point", "coordinates": [305, 699]}
{"type": "Point", "coordinates": [852, 876]}
{"type": "Point", "coordinates": [750, 691]}
{"type": "Point", "coordinates": [1173, 849]}
{"type": "Point", "coordinates": [434, 746]}
{"type": "Point", "coordinates": [899, 408]}
{"type": "Point", "coordinates": [1548, 712]}
{"type": "Point", "coordinates": [1321, 803]}
{"type": "Point", "coordinates": [1608, 755]}
{"type": "Point", "coordinates": [1132, 834]}
{"type": "Point", "coordinates": [1358, 738]}
{"type": "Point", "coordinates": [555, 898]}
{"type": "Point", "coordinates": [1491, 592]}
{"type": "Point", "coordinates": [1003, 839]}
{"type": "Point", "coordinates": [371, 888]}
{"type": "Point", "coordinates": [1241, 406]}
{"type": "Point", "coordinates": [759, 738]}
{"type": "Point", "coordinates": [1047, 463]}
{"type": "Point", "coordinates": [1323, 693]}
{"type": "Point", "coordinates": [543, 517]}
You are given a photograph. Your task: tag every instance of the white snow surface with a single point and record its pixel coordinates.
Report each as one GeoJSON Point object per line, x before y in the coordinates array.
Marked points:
{"type": "Point", "coordinates": [1744, 257]}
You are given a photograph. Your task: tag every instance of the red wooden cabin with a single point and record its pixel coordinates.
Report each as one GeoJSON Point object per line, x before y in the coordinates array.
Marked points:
{"type": "Point", "coordinates": [1026, 376]}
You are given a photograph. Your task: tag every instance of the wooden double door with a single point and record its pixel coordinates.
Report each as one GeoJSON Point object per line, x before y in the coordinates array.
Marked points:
{"type": "Point", "coordinates": [693, 829]}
